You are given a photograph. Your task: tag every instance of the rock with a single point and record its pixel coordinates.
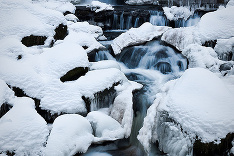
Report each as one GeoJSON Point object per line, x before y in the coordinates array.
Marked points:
{"type": "Point", "coordinates": [33, 40]}
{"type": "Point", "coordinates": [225, 66]}
{"type": "Point", "coordinates": [74, 74]}
{"type": "Point", "coordinates": [60, 32]}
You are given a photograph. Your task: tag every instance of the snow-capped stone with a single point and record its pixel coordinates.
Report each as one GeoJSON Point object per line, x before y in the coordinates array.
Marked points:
{"type": "Point", "coordinates": [224, 46]}
{"type": "Point", "coordinates": [99, 6]}
{"type": "Point", "coordinates": [175, 13]}
{"type": "Point", "coordinates": [105, 128]}
{"type": "Point", "coordinates": [135, 36]}
{"type": "Point", "coordinates": [71, 133]}
{"type": "Point", "coordinates": [22, 130]}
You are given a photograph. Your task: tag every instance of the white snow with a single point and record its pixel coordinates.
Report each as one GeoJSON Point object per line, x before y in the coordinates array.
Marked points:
{"type": "Point", "coordinates": [105, 64]}
{"type": "Point", "coordinates": [140, 2]}
{"type": "Point", "coordinates": [26, 19]}
{"type": "Point", "coordinates": [122, 109]}
{"type": "Point", "coordinates": [135, 36]}
{"type": "Point", "coordinates": [6, 94]}
{"type": "Point", "coordinates": [203, 57]}
{"type": "Point", "coordinates": [224, 46]}
{"type": "Point", "coordinates": [71, 17]}
{"type": "Point", "coordinates": [230, 3]}
{"type": "Point", "coordinates": [105, 128]}
{"type": "Point", "coordinates": [71, 133]}
{"type": "Point", "coordinates": [22, 130]}
{"type": "Point", "coordinates": [99, 6]}
{"type": "Point", "coordinates": [175, 13]}
{"type": "Point", "coordinates": [199, 102]}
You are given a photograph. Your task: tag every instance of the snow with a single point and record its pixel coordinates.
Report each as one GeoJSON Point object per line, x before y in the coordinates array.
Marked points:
{"type": "Point", "coordinates": [199, 102]}
{"type": "Point", "coordinates": [217, 25]}
{"type": "Point", "coordinates": [175, 13]}
{"type": "Point", "coordinates": [224, 46]}
{"type": "Point", "coordinates": [140, 2]}
{"type": "Point", "coordinates": [105, 64]}
{"type": "Point", "coordinates": [71, 133]}
{"type": "Point", "coordinates": [230, 3]}
{"type": "Point", "coordinates": [85, 27]}
{"type": "Point", "coordinates": [122, 109]}
{"type": "Point", "coordinates": [71, 17]}
{"type": "Point", "coordinates": [22, 130]}
{"type": "Point", "coordinates": [203, 57]}
{"type": "Point", "coordinates": [105, 128]}
{"type": "Point", "coordinates": [6, 94]}
{"type": "Point", "coordinates": [135, 36]}
{"type": "Point", "coordinates": [181, 37]}
{"type": "Point", "coordinates": [99, 6]}
{"type": "Point", "coordinates": [27, 19]}
{"type": "Point", "coordinates": [232, 149]}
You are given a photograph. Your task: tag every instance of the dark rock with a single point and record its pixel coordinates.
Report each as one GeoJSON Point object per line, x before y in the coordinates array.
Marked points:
{"type": "Point", "coordinates": [212, 149]}
{"type": "Point", "coordinates": [225, 67]}
{"type": "Point", "coordinates": [66, 13]}
{"type": "Point", "coordinates": [19, 57]}
{"type": "Point", "coordinates": [60, 32]}
{"type": "Point", "coordinates": [18, 92]}
{"type": "Point", "coordinates": [5, 107]}
{"type": "Point", "coordinates": [210, 43]}
{"type": "Point", "coordinates": [74, 74]}
{"type": "Point", "coordinates": [32, 40]}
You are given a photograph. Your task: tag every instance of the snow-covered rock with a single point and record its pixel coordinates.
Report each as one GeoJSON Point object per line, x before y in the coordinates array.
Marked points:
{"type": "Point", "coordinates": [135, 36]}
{"type": "Point", "coordinates": [140, 2]}
{"type": "Point", "coordinates": [6, 94]}
{"type": "Point", "coordinates": [122, 109]}
{"type": "Point", "coordinates": [71, 133]}
{"type": "Point", "coordinates": [175, 13]}
{"type": "Point", "coordinates": [105, 128]}
{"type": "Point", "coordinates": [224, 47]}
{"type": "Point", "coordinates": [203, 57]}
{"type": "Point", "coordinates": [22, 130]}
{"type": "Point", "coordinates": [181, 37]}
{"type": "Point", "coordinates": [99, 6]}
{"type": "Point", "coordinates": [27, 19]}
{"type": "Point", "coordinates": [71, 17]}
{"type": "Point", "coordinates": [85, 27]}
{"type": "Point", "coordinates": [198, 104]}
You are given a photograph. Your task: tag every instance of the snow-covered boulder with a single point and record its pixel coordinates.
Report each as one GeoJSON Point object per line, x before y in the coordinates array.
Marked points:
{"type": "Point", "coordinates": [175, 13]}
{"type": "Point", "coordinates": [105, 128]}
{"type": "Point", "coordinates": [85, 27]}
{"type": "Point", "coordinates": [225, 49]}
{"type": "Point", "coordinates": [203, 57]}
{"type": "Point", "coordinates": [22, 130]}
{"type": "Point", "coordinates": [99, 6]}
{"type": "Point", "coordinates": [71, 133]}
{"type": "Point", "coordinates": [197, 106]}
{"type": "Point", "coordinates": [181, 37]}
{"type": "Point", "coordinates": [135, 36]}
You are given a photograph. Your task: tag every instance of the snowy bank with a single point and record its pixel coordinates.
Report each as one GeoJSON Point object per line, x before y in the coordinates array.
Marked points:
{"type": "Point", "coordinates": [197, 106]}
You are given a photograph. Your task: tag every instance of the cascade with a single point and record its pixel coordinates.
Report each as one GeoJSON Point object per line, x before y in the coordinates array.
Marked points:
{"type": "Point", "coordinates": [157, 18]}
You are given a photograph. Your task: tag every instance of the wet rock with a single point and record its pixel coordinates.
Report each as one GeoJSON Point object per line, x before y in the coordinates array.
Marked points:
{"type": "Point", "coordinates": [32, 40]}
{"type": "Point", "coordinates": [225, 67]}
{"type": "Point", "coordinates": [60, 32]}
{"type": "Point", "coordinates": [74, 74]}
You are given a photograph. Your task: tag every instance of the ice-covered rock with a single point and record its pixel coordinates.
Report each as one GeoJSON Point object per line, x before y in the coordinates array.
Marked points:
{"type": "Point", "coordinates": [196, 106]}
{"type": "Point", "coordinates": [105, 128]}
{"type": "Point", "coordinates": [175, 13]}
{"type": "Point", "coordinates": [22, 130]}
{"type": "Point", "coordinates": [203, 57]}
{"type": "Point", "coordinates": [99, 6]}
{"type": "Point", "coordinates": [71, 133]}
{"type": "Point", "coordinates": [122, 109]}
{"type": "Point", "coordinates": [181, 37]}
{"type": "Point", "coordinates": [135, 36]}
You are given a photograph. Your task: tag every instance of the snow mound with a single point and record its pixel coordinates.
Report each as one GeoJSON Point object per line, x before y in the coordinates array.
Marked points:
{"type": "Point", "coordinates": [135, 36]}
{"type": "Point", "coordinates": [105, 64]}
{"type": "Point", "coordinates": [71, 133]}
{"type": "Point", "coordinates": [181, 37]}
{"type": "Point", "coordinates": [224, 46]}
{"type": "Point", "coordinates": [105, 128]}
{"type": "Point", "coordinates": [203, 57]}
{"type": "Point", "coordinates": [27, 19]}
{"type": "Point", "coordinates": [22, 130]}
{"type": "Point", "coordinates": [122, 109]}
{"type": "Point", "coordinates": [175, 13]}
{"type": "Point", "coordinates": [85, 27]}
{"type": "Point", "coordinates": [217, 25]}
{"type": "Point", "coordinates": [230, 3]}
{"type": "Point", "coordinates": [140, 2]}
{"type": "Point", "coordinates": [6, 94]}
{"type": "Point", "coordinates": [71, 17]}
{"type": "Point", "coordinates": [99, 6]}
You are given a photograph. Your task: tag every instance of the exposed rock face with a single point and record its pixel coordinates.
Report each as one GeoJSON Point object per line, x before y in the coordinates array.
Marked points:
{"type": "Point", "coordinates": [33, 40]}
{"type": "Point", "coordinates": [74, 74]}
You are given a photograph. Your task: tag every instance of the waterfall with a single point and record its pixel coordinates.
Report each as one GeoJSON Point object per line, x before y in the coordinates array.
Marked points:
{"type": "Point", "coordinates": [157, 18]}
{"type": "Point", "coordinates": [122, 21]}
{"type": "Point", "coordinates": [136, 24]}
{"type": "Point", "coordinates": [129, 22]}
{"type": "Point", "coordinates": [115, 21]}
